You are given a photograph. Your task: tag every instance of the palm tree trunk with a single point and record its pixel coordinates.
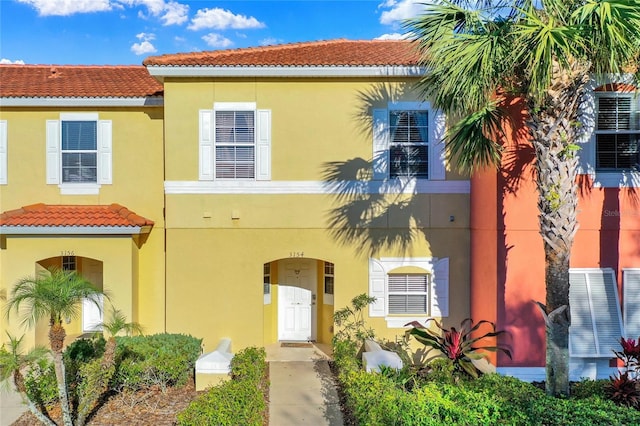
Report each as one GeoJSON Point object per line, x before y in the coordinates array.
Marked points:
{"type": "Point", "coordinates": [56, 339]}
{"type": "Point", "coordinates": [553, 129]}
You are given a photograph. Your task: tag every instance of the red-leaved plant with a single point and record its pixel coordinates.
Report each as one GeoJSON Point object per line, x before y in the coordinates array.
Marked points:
{"type": "Point", "coordinates": [457, 344]}
{"type": "Point", "coordinates": [624, 388]}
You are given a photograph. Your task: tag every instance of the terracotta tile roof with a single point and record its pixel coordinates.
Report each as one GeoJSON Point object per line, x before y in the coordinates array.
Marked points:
{"type": "Point", "coordinates": [71, 81]}
{"type": "Point", "coordinates": [41, 215]}
{"type": "Point", "coordinates": [329, 53]}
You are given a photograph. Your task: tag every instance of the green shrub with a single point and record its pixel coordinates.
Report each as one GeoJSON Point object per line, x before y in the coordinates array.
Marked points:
{"type": "Point", "coordinates": [155, 360]}
{"type": "Point", "coordinates": [41, 384]}
{"type": "Point", "coordinates": [239, 401]}
{"type": "Point", "coordinates": [589, 388]}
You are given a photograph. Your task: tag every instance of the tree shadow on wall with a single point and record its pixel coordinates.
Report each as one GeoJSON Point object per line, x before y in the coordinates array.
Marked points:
{"type": "Point", "coordinates": [366, 214]}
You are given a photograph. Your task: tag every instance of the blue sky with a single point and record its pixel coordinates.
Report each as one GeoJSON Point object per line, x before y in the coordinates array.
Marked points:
{"type": "Point", "coordinates": [119, 32]}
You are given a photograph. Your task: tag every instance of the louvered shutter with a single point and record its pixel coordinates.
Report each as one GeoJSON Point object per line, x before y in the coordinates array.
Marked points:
{"type": "Point", "coordinates": [380, 143]}
{"type": "Point", "coordinates": [377, 282]}
{"type": "Point", "coordinates": [263, 145]}
{"type": "Point", "coordinates": [631, 300]}
{"type": "Point", "coordinates": [53, 151]}
{"type": "Point", "coordinates": [596, 323]}
{"type": "Point", "coordinates": [205, 144]}
{"type": "Point", "coordinates": [614, 113]}
{"type": "Point", "coordinates": [440, 289]}
{"type": "Point", "coordinates": [105, 155]}
{"type": "Point", "coordinates": [3, 152]}
{"type": "Point", "coordinates": [437, 170]}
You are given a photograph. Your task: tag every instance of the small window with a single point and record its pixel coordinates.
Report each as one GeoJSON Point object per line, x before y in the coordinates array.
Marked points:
{"type": "Point", "coordinates": [79, 152]}
{"type": "Point", "coordinates": [617, 133]}
{"type": "Point", "coordinates": [328, 278]}
{"type": "Point", "coordinates": [266, 288]}
{"type": "Point", "coordinates": [235, 144]}
{"type": "Point", "coordinates": [69, 263]}
{"type": "Point", "coordinates": [408, 294]}
{"type": "Point", "coordinates": [409, 144]}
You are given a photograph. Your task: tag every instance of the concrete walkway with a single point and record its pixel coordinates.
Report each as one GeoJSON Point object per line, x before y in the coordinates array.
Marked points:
{"type": "Point", "coordinates": [302, 389]}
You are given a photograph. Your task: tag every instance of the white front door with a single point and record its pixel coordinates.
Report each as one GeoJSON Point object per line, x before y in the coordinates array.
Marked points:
{"type": "Point", "coordinates": [92, 315]}
{"type": "Point", "coordinates": [296, 301]}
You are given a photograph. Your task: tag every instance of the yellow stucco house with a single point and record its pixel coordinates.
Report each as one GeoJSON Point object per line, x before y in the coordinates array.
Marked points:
{"type": "Point", "coordinates": [243, 193]}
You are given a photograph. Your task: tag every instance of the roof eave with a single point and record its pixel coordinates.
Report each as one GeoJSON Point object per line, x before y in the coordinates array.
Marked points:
{"type": "Point", "coordinates": [161, 71]}
{"type": "Point", "coordinates": [74, 230]}
{"type": "Point", "coordinates": [143, 101]}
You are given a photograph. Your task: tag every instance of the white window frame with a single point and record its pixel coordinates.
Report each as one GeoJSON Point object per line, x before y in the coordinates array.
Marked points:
{"type": "Point", "coordinates": [587, 154]}
{"type": "Point", "coordinates": [103, 154]}
{"type": "Point", "coordinates": [328, 272]}
{"type": "Point", "coordinates": [4, 153]}
{"type": "Point", "coordinates": [436, 268]}
{"type": "Point", "coordinates": [266, 283]}
{"type": "Point", "coordinates": [591, 316]}
{"type": "Point", "coordinates": [262, 141]}
{"type": "Point", "coordinates": [382, 140]}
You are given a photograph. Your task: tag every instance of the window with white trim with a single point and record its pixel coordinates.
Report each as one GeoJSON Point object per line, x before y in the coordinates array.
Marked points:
{"type": "Point", "coordinates": [266, 283]}
{"type": "Point", "coordinates": [408, 294]}
{"type": "Point", "coordinates": [79, 152]}
{"type": "Point", "coordinates": [69, 263]}
{"type": "Point", "coordinates": [409, 289]}
{"type": "Point", "coordinates": [596, 320]}
{"type": "Point", "coordinates": [235, 142]}
{"type": "Point", "coordinates": [408, 142]}
{"type": "Point", "coordinates": [617, 132]}
{"type": "Point", "coordinates": [631, 302]}
{"type": "Point", "coordinates": [329, 283]}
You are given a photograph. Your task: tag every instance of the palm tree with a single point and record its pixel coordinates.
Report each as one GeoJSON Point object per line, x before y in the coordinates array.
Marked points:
{"type": "Point", "coordinates": [479, 54]}
{"type": "Point", "coordinates": [12, 364]}
{"type": "Point", "coordinates": [54, 295]}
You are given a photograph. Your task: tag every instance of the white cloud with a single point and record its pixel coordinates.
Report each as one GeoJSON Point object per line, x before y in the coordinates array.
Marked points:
{"type": "Point", "coordinates": [217, 40]}
{"type": "Point", "coordinates": [269, 41]}
{"type": "Point", "coordinates": [399, 10]}
{"type": "Point", "coordinates": [145, 45]}
{"type": "Point", "coordinates": [392, 36]}
{"type": "Point", "coordinates": [221, 19]}
{"type": "Point", "coordinates": [169, 12]}
{"type": "Point", "coordinates": [5, 61]}
{"type": "Point", "coordinates": [68, 7]}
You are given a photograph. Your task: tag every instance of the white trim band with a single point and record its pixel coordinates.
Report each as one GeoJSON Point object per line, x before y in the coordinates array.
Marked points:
{"type": "Point", "coordinates": [315, 187]}
{"type": "Point", "coordinates": [154, 101]}
{"type": "Point", "coordinates": [73, 230]}
{"type": "Point", "coordinates": [284, 71]}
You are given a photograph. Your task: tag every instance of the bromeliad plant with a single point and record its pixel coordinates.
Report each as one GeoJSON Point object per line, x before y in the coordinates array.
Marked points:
{"type": "Point", "coordinates": [457, 344]}
{"type": "Point", "coordinates": [624, 388]}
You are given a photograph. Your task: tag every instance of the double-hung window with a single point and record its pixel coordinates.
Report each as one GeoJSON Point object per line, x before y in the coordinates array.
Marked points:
{"type": "Point", "coordinates": [408, 142]}
{"type": "Point", "coordinates": [408, 294]}
{"type": "Point", "coordinates": [235, 142]}
{"type": "Point", "coordinates": [617, 132]}
{"type": "Point", "coordinates": [79, 152]}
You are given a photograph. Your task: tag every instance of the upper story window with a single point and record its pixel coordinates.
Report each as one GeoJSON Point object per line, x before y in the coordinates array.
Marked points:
{"type": "Point", "coordinates": [617, 132]}
{"type": "Point", "coordinates": [409, 143]}
{"type": "Point", "coordinates": [79, 151]}
{"type": "Point", "coordinates": [235, 142]}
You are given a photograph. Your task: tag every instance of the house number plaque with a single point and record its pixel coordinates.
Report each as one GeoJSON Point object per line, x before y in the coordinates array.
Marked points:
{"type": "Point", "coordinates": [296, 254]}
{"type": "Point", "coordinates": [67, 253]}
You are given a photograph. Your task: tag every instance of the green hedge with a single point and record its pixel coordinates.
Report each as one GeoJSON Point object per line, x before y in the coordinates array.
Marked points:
{"type": "Point", "coordinates": [380, 399]}
{"type": "Point", "coordinates": [239, 401]}
{"type": "Point", "coordinates": [155, 360]}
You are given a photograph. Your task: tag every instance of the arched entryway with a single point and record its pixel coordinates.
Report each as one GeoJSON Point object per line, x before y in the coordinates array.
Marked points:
{"type": "Point", "coordinates": [298, 296]}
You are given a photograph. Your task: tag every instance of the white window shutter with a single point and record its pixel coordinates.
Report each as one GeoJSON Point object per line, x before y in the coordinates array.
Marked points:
{"type": "Point", "coordinates": [380, 144]}
{"type": "Point", "coordinates": [3, 152]}
{"type": "Point", "coordinates": [105, 155]}
{"type": "Point", "coordinates": [263, 145]}
{"type": "Point", "coordinates": [437, 161]}
{"type": "Point", "coordinates": [596, 321]}
{"type": "Point", "coordinates": [205, 144]}
{"type": "Point", "coordinates": [440, 289]}
{"type": "Point", "coordinates": [377, 284]}
{"type": "Point", "coordinates": [631, 300]}
{"type": "Point", "coordinates": [53, 152]}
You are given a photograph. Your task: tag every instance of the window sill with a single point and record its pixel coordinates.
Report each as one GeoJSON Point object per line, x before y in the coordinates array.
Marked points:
{"type": "Point", "coordinates": [616, 179]}
{"type": "Point", "coordinates": [399, 322]}
{"type": "Point", "coordinates": [79, 189]}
